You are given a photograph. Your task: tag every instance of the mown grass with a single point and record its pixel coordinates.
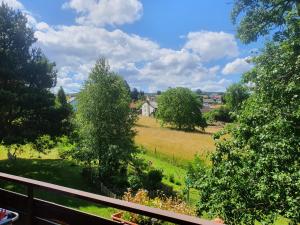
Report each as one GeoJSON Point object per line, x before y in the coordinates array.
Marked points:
{"type": "Point", "coordinates": [178, 145]}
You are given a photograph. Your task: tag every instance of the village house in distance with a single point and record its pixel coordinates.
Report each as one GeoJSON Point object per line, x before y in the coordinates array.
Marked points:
{"type": "Point", "coordinates": [148, 108]}
{"type": "Point", "coordinates": [210, 101]}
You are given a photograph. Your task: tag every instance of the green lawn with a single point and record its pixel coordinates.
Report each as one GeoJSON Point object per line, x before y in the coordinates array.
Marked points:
{"type": "Point", "coordinates": [53, 170]}
{"type": "Point", "coordinates": [172, 169]}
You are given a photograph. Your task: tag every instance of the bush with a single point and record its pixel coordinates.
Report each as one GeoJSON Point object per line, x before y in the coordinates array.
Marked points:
{"type": "Point", "coordinates": [135, 182]}
{"type": "Point", "coordinates": [43, 143]}
{"type": "Point", "coordinates": [171, 178]}
{"type": "Point", "coordinates": [222, 114]}
{"type": "Point", "coordinates": [153, 180]}
{"type": "Point", "coordinates": [65, 147]}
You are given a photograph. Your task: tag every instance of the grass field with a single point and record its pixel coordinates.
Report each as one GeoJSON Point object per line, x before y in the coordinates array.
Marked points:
{"type": "Point", "coordinates": [178, 173]}
{"type": "Point", "coordinates": [173, 143]}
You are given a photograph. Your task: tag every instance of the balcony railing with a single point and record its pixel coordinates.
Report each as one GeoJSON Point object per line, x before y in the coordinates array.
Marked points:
{"type": "Point", "coordinates": [39, 212]}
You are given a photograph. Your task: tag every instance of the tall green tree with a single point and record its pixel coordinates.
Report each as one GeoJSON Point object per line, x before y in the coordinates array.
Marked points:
{"type": "Point", "coordinates": [180, 107]}
{"type": "Point", "coordinates": [61, 97]}
{"type": "Point", "coordinates": [64, 113]}
{"type": "Point", "coordinates": [106, 123]}
{"type": "Point", "coordinates": [27, 107]}
{"type": "Point", "coordinates": [255, 18]}
{"type": "Point", "coordinates": [255, 169]}
{"type": "Point", "coordinates": [134, 94]}
{"type": "Point", "coordinates": [235, 95]}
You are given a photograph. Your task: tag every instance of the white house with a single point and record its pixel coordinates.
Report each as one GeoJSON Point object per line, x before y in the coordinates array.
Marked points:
{"type": "Point", "coordinates": [149, 108]}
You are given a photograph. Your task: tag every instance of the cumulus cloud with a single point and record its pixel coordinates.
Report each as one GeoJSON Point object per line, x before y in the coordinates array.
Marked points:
{"type": "Point", "coordinates": [238, 66]}
{"type": "Point", "coordinates": [103, 12]}
{"type": "Point", "coordinates": [141, 61]}
{"type": "Point", "coordinates": [212, 45]}
{"type": "Point", "coordinates": [13, 4]}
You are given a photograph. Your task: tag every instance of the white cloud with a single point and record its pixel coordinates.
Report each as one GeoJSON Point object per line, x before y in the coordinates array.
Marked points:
{"type": "Point", "coordinates": [238, 66]}
{"type": "Point", "coordinates": [142, 62]}
{"type": "Point", "coordinates": [42, 26]}
{"type": "Point", "coordinates": [102, 12]}
{"type": "Point", "coordinates": [13, 4]}
{"type": "Point", "coordinates": [212, 45]}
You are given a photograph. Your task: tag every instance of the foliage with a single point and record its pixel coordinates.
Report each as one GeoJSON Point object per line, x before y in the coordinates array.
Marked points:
{"type": "Point", "coordinates": [27, 107]}
{"type": "Point", "coordinates": [235, 95]}
{"type": "Point", "coordinates": [153, 179]}
{"type": "Point", "coordinates": [143, 176]}
{"type": "Point", "coordinates": [105, 123]}
{"type": "Point", "coordinates": [221, 114]}
{"type": "Point", "coordinates": [261, 17]}
{"type": "Point", "coordinates": [64, 114]}
{"type": "Point", "coordinates": [199, 92]}
{"type": "Point", "coordinates": [173, 204]}
{"type": "Point", "coordinates": [134, 94]}
{"type": "Point", "coordinates": [43, 143]}
{"type": "Point", "coordinates": [255, 170]}
{"type": "Point", "coordinates": [65, 146]}
{"type": "Point", "coordinates": [180, 107]}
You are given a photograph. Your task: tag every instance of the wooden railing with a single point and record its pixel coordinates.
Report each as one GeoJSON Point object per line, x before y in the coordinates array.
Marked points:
{"type": "Point", "coordinates": [39, 212]}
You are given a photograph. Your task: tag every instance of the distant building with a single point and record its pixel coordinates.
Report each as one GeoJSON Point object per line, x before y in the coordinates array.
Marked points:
{"type": "Point", "coordinates": [149, 108]}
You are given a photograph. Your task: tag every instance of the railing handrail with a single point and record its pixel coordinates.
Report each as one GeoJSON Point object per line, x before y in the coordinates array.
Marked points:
{"type": "Point", "coordinates": [111, 202]}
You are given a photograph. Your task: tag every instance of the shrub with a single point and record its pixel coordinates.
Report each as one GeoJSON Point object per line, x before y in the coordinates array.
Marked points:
{"type": "Point", "coordinates": [65, 147]}
{"type": "Point", "coordinates": [43, 143]}
{"type": "Point", "coordinates": [153, 180]}
{"type": "Point", "coordinates": [171, 178]}
{"type": "Point", "coordinates": [222, 114]}
{"type": "Point", "coordinates": [135, 182]}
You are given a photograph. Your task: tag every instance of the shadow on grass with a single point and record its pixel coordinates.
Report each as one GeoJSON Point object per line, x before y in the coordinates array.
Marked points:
{"type": "Point", "coordinates": [56, 171]}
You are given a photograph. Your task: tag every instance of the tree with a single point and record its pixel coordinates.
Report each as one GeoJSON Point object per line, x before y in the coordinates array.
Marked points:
{"type": "Point", "coordinates": [134, 94]}
{"type": "Point", "coordinates": [255, 169]}
{"type": "Point", "coordinates": [158, 92]}
{"type": "Point", "coordinates": [105, 123]}
{"type": "Point", "coordinates": [235, 95]}
{"type": "Point", "coordinates": [261, 17]}
{"type": "Point", "coordinates": [27, 107]}
{"type": "Point", "coordinates": [180, 107]}
{"type": "Point", "coordinates": [141, 95]}
{"type": "Point", "coordinates": [64, 114]}
{"type": "Point", "coordinates": [199, 92]}
{"type": "Point", "coordinates": [61, 97]}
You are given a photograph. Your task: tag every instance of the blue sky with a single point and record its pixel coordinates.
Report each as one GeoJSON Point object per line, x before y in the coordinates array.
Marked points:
{"type": "Point", "coordinates": [153, 44]}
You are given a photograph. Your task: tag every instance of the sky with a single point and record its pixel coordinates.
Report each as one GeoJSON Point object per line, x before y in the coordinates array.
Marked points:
{"type": "Point", "coordinates": [152, 44]}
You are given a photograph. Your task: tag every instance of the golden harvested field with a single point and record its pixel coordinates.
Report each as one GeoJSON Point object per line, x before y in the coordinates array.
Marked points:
{"type": "Point", "coordinates": [178, 144]}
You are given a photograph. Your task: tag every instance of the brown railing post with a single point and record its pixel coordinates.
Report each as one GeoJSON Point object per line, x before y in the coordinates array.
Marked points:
{"type": "Point", "coordinates": [29, 205]}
